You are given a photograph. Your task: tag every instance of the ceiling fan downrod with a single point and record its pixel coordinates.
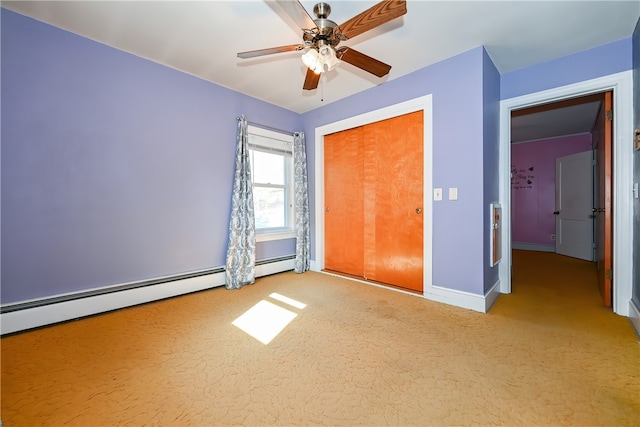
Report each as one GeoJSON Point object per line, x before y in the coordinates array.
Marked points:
{"type": "Point", "coordinates": [322, 10]}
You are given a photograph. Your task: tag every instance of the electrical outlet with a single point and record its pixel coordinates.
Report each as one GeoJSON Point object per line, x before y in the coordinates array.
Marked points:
{"type": "Point", "coordinates": [553, 237]}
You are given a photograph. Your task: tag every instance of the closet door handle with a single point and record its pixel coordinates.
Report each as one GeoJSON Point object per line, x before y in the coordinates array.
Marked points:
{"type": "Point", "coordinates": [418, 210]}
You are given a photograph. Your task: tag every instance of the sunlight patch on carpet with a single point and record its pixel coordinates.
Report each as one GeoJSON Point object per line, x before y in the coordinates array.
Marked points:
{"type": "Point", "coordinates": [287, 300]}
{"type": "Point", "coordinates": [264, 321]}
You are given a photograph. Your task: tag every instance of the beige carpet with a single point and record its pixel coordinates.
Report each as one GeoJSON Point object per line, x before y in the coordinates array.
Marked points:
{"type": "Point", "coordinates": [355, 354]}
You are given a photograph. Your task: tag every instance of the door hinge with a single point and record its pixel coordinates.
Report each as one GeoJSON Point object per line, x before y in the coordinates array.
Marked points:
{"type": "Point", "coordinates": [609, 114]}
{"type": "Point", "coordinates": [609, 274]}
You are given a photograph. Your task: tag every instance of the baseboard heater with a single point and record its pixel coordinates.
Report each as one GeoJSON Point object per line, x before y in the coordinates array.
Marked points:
{"type": "Point", "coordinates": [26, 315]}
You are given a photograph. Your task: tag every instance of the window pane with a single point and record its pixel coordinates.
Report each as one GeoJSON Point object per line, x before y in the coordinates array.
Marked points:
{"type": "Point", "coordinates": [268, 168]}
{"type": "Point", "coordinates": [269, 207]}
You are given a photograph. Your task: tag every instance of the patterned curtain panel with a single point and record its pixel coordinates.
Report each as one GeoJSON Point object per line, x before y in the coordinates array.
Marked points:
{"type": "Point", "coordinates": [301, 200]}
{"type": "Point", "coordinates": [241, 252]}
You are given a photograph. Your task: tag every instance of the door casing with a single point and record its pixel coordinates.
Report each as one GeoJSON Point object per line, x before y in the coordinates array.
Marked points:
{"type": "Point", "coordinates": [621, 84]}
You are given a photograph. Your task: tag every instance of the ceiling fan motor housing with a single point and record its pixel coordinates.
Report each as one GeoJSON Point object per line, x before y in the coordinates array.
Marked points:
{"type": "Point", "coordinates": [323, 34]}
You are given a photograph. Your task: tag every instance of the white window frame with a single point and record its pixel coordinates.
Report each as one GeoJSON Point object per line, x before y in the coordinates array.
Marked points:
{"type": "Point", "coordinates": [271, 141]}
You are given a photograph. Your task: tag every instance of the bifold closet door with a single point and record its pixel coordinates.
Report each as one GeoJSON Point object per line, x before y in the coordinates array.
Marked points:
{"type": "Point", "coordinates": [344, 214]}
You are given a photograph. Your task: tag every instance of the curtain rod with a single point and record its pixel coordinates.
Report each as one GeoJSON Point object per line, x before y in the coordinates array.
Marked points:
{"type": "Point", "coordinates": [288, 132]}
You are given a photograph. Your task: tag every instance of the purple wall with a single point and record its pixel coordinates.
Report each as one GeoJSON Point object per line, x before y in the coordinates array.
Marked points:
{"type": "Point", "coordinates": [490, 159]}
{"type": "Point", "coordinates": [533, 183]}
{"type": "Point", "coordinates": [117, 169]}
{"type": "Point", "coordinates": [114, 168]}
{"type": "Point", "coordinates": [459, 94]}
{"type": "Point", "coordinates": [636, 165]}
{"type": "Point", "coordinates": [589, 64]}
{"type": "Point", "coordinates": [464, 154]}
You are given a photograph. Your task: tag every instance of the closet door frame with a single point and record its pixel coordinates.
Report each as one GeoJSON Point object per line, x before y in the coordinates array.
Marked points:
{"type": "Point", "coordinates": [423, 103]}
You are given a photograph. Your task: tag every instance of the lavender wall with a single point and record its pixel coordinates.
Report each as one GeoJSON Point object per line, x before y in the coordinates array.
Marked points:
{"type": "Point", "coordinates": [114, 168]}
{"type": "Point", "coordinates": [464, 155]}
{"type": "Point", "coordinates": [597, 62]}
{"type": "Point", "coordinates": [636, 165]}
{"type": "Point", "coordinates": [117, 169]}
{"type": "Point", "coordinates": [459, 94]}
{"type": "Point", "coordinates": [490, 159]}
{"type": "Point", "coordinates": [533, 166]}
{"type": "Point", "coordinates": [589, 64]}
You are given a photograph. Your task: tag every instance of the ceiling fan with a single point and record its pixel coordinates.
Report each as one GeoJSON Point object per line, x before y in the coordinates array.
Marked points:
{"type": "Point", "coordinates": [321, 36]}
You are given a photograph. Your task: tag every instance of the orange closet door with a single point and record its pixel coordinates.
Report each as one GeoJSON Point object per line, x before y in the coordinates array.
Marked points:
{"type": "Point", "coordinates": [393, 200]}
{"type": "Point", "coordinates": [344, 214]}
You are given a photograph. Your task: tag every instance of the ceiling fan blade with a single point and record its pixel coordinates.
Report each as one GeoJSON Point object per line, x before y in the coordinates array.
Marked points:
{"type": "Point", "coordinates": [311, 80]}
{"type": "Point", "coordinates": [269, 51]}
{"type": "Point", "coordinates": [375, 16]}
{"type": "Point", "coordinates": [296, 12]}
{"type": "Point", "coordinates": [363, 61]}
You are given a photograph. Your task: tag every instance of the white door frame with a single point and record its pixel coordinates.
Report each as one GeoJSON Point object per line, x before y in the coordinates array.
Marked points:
{"type": "Point", "coordinates": [423, 103]}
{"type": "Point", "coordinates": [621, 84]}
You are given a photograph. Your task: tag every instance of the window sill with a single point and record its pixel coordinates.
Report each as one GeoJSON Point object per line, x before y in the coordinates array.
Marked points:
{"type": "Point", "coordinates": [280, 235]}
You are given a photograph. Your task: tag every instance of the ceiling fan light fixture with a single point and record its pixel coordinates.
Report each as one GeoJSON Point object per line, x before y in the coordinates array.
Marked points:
{"type": "Point", "coordinates": [310, 59]}
{"type": "Point", "coordinates": [313, 61]}
{"type": "Point", "coordinates": [320, 59]}
{"type": "Point", "coordinates": [329, 58]}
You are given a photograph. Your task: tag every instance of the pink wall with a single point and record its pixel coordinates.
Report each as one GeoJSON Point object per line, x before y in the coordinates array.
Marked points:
{"type": "Point", "coordinates": [533, 168]}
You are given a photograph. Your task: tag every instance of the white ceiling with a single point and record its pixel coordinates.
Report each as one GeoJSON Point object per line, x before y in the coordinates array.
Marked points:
{"type": "Point", "coordinates": [553, 122]}
{"type": "Point", "coordinates": [202, 37]}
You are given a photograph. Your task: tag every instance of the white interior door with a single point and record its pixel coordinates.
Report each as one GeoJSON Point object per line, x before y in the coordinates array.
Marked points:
{"type": "Point", "coordinates": [574, 204]}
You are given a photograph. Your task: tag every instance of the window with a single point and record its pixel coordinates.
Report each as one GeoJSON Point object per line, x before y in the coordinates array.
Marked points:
{"type": "Point", "coordinates": [271, 156]}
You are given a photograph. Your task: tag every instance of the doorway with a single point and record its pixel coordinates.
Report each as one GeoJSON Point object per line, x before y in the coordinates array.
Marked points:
{"type": "Point", "coordinates": [555, 199]}
{"type": "Point", "coordinates": [622, 214]}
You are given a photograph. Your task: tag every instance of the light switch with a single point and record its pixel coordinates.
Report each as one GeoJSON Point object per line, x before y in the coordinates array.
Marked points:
{"type": "Point", "coordinates": [635, 190]}
{"type": "Point", "coordinates": [453, 193]}
{"type": "Point", "coordinates": [437, 194]}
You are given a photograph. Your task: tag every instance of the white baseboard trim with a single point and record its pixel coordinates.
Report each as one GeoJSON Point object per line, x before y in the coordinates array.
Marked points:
{"type": "Point", "coordinates": [480, 303]}
{"type": "Point", "coordinates": [275, 267]}
{"type": "Point", "coordinates": [34, 317]}
{"type": "Point", "coordinates": [634, 316]}
{"type": "Point", "coordinates": [533, 247]}
{"type": "Point", "coordinates": [491, 296]}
